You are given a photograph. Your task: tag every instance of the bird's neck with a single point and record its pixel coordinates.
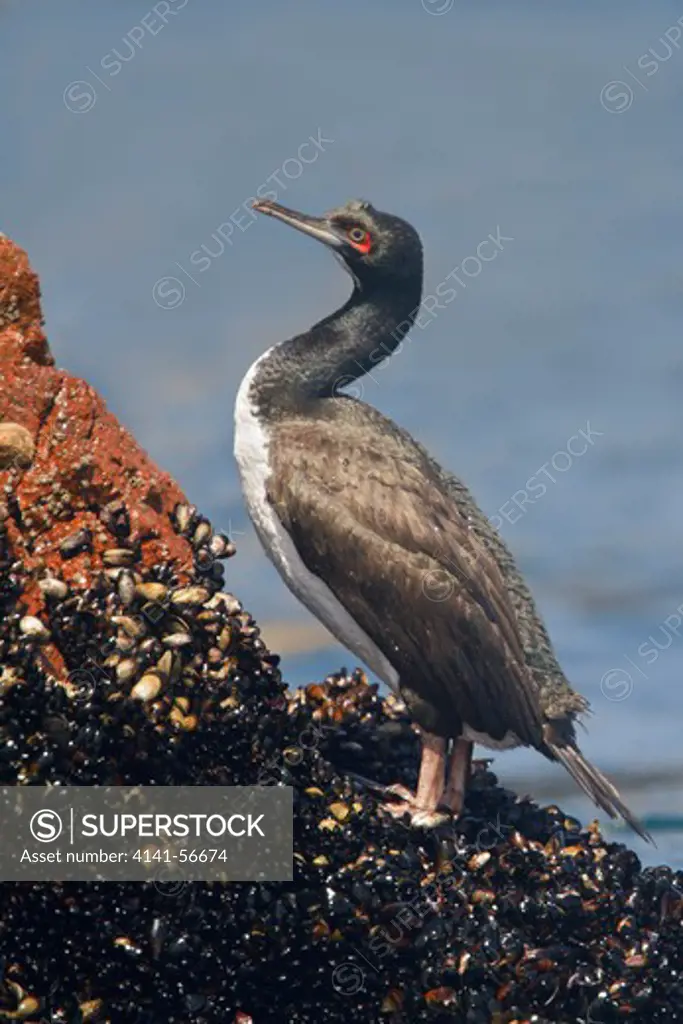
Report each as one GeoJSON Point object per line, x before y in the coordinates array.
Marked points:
{"type": "Point", "coordinates": [337, 350]}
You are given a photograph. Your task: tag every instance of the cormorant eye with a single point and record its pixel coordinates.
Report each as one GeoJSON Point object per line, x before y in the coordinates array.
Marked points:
{"type": "Point", "coordinates": [360, 239]}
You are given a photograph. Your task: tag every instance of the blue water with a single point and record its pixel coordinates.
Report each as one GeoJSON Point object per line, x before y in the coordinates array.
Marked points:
{"type": "Point", "coordinates": [486, 119]}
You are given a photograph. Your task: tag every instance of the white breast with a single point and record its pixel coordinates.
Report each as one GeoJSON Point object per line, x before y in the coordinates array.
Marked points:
{"type": "Point", "coordinates": [508, 741]}
{"type": "Point", "coordinates": [251, 453]}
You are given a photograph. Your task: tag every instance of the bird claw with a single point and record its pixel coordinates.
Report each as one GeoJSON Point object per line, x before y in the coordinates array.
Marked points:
{"type": "Point", "coordinates": [405, 803]}
{"type": "Point", "coordinates": [419, 818]}
{"type": "Point", "coordinates": [402, 792]}
{"type": "Point", "coordinates": [376, 787]}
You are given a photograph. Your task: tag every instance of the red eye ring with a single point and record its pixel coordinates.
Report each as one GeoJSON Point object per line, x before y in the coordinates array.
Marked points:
{"type": "Point", "coordinates": [360, 239]}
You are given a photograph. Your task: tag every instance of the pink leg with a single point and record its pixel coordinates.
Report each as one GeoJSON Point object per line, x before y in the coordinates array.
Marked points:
{"type": "Point", "coordinates": [422, 805]}
{"type": "Point", "coordinates": [432, 767]}
{"type": "Point", "coordinates": [458, 776]}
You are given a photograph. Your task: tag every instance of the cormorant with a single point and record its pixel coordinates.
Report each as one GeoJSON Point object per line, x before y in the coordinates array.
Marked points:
{"type": "Point", "coordinates": [360, 522]}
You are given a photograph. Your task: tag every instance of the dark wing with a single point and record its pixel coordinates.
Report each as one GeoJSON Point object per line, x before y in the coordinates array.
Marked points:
{"type": "Point", "coordinates": [558, 697]}
{"type": "Point", "coordinates": [400, 556]}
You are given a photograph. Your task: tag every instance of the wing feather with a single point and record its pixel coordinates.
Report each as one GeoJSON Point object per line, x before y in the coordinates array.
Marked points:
{"type": "Point", "coordinates": [424, 587]}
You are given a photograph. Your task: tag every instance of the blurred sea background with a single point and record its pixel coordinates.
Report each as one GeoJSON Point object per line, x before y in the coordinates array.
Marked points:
{"type": "Point", "coordinates": [133, 132]}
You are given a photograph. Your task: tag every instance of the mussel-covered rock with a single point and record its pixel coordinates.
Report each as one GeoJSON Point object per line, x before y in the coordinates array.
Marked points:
{"type": "Point", "coordinates": [122, 661]}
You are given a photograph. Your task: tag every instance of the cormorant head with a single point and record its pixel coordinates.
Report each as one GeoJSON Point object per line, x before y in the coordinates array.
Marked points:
{"type": "Point", "coordinates": [376, 248]}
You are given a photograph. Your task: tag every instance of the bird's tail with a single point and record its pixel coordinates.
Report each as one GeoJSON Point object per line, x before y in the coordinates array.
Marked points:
{"type": "Point", "coordinates": [591, 780]}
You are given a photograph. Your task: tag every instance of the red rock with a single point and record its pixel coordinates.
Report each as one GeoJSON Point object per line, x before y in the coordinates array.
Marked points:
{"type": "Point", "coordinates": [83, 458]}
